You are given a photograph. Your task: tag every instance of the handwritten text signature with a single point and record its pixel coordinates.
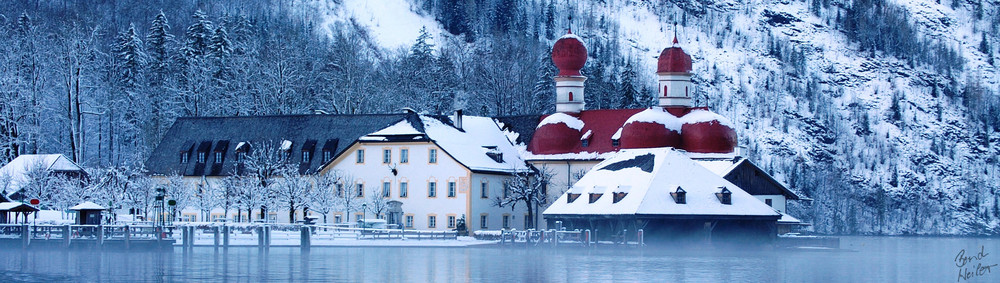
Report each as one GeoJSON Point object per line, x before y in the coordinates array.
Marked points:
{"type": "Point", "coordinates": [971, 266]}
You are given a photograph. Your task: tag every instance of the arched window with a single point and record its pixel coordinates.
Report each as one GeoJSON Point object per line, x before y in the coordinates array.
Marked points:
{"type": "Point", "coordinates": [664, 91]}
{"type": "Point", "coordinates": [571, 96]}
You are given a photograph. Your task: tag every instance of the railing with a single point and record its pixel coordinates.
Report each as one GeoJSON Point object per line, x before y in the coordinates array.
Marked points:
{"type": "Point", "coordinates": [69, 234]}
{"type": "Point", "coordinates": [550, 237]}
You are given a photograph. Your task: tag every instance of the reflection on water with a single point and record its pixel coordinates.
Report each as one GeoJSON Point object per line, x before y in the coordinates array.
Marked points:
{"type": "Point", "coordinates": [874, 259]}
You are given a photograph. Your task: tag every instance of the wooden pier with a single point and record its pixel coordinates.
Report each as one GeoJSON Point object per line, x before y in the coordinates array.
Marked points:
{"type": "Point", "coordinates": [86, 236]}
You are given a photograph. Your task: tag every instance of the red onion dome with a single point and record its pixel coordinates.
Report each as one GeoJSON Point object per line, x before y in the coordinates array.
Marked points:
{"type": "Point", "coordinates": [569, 54]}
{"type": "Point", "coordinates": [556, 133]}
{"type": "Point", "coordinates": [651, 128]}
{"type": "Point", "coordinates": [707, 132]}
{"type": "Point", "coordinates": [673, 60]}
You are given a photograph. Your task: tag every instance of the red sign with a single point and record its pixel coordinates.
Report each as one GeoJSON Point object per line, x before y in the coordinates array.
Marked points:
{"type": "Point", "coordinates": [34, 201]}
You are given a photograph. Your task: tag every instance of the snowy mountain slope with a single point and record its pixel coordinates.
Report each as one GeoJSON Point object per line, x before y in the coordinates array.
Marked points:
{"type": "Point", "coordinates": [391, 23]}
{"type": "Point", "coordinates": [883, 144]}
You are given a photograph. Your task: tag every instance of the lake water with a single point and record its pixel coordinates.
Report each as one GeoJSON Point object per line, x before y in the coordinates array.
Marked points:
{"type": "Point", "coordinates": [871, 259]}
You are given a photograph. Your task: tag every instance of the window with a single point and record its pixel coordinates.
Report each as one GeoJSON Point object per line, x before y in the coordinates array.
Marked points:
{"type": "Point", "coordinates": [358, 216]}
{"type": "Point", "coordinates": [451, 189]}
{"type": "Point", "coordinates": [184, 157]}
{"type": "Point", "coordinates": [404, 156]}
{"type": "Point", "coordinates": [409, 221]}
{"type": "Point", "coordinates": [725, 196]}
{"type": "Point", "coordinates": [403, 188]}
{"type": "Point", "coordinates": [327, 155]}
{"type": "Point", "coordinates": [585, 143]}
{"type": "Point", "coordinates": [240, 156]}
{"type": "Point", "coordinates": [484, 190]}
{"type": "Point", "coordinates": [482, 221]}
{"type": "Point", "coordinates": [361, 156]}
{"type": "Point", "coordinates": [768, 202]}
{"type": "Point", "coordinates": [340, 189]}
{"type": "Point", "coordinates": [201, 157]}
{"type": "Point", "coordinates": [360, 190]}
{"type": "Point", "coordinates": [337, 218]}
{"type": "Point", "coordinates": [615, 143]}
{"type": "Point", "coordinates": [386, 156]}
{"type": "Point", "coordinates": [680, 196]}
{"type": "Point", "coordinates": [218, 157]}
{"type": "Point", "coordinates": [432, 156]}
{"type": "Point", "coordinates": [618, 196]}
{"type": "Point", "coordinates": [506, 191]}
{"type": "Point", "coordinates": [432, 189]}
{"type": "Point", "coordinates": [305, 157]}
{"type": "Point", "coordinates": [386, 189]}
{"type": "Point", "coordinates": [594, 197]}
{"type": "Point", "coordinates": [451, 221]}
{"type": "Point", "coordinates": [506, 221]}
{"type": "Point", "coordinates": [431, 221]}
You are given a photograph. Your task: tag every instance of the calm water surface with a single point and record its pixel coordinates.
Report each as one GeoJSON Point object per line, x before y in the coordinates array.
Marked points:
{"type": "Point", "coordinates": [872, 259]}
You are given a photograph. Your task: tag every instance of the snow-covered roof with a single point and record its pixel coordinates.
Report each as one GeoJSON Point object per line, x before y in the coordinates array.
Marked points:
{"type": "Point", "coordinates": [570, 121]}
{"type": "Point", "coordinates": [469, 146]}
{"type": "Point", "coordinates": [87, 206]}
{"type": "Point", "coordinates": [5, 206]}
{"type": "Point", "coordinates": [720, 167]}
{"type": "Point", "coordinates": [17, 169]}
{"type": "Point", "coordinates": [657, 115]}
{"type": "Point", "coordinates": [650, 176]}
{"type": "Point", "coordinates": [788, 219]}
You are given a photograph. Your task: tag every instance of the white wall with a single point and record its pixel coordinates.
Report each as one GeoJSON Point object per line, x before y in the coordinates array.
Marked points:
{"type": "Point", "coordinates": [777, 201]}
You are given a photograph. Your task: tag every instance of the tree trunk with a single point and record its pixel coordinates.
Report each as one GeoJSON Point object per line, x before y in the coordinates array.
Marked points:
{"type": "Point", "coordinates": [531, 217]}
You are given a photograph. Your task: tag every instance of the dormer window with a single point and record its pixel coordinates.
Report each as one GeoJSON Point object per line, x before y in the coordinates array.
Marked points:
{"type": "Point", "coordinates": [327, 155]}
{"type": "Point", "coordinates": [594, 197]}
{"type": "Point", "coordinates": [201, 157]}
{"type": "Point", "coordinates": [307, 150]}
{"type": "Point", "coordinates": [619, 193]}
{"type": "Point", "coordinates": [220, 151]}
{"type": "Point", "coordinates": [725, 196]}
{"type": "Point", "coordinates": [184, 156]}
{"type": "Point", "coordinates": [585, 139]}
{"type": "Point", "coordinates": [680, 196]}
{"type": "Point", "coordinates": [619, 196]}
{"type": "Point", "coordinates": [570, 197]}
{"type": "Point", "coordinates": [218, 157]}
{"type": "Point", "coordinates": [241, 151]}
{"type": "Point", "coordinates": [615, 143]}
{"type": "Point", "coordinates": [328, 148]}
{"type": "Point", "coordinates": [494, 153]}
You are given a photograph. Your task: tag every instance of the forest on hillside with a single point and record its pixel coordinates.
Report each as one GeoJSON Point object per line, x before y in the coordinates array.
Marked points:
{"type": "Point", "coordinates": [870, 107]}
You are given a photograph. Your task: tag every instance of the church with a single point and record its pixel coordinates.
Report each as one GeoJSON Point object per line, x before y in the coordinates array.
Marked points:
{"type": "Point", "coordinates": [687, 158]}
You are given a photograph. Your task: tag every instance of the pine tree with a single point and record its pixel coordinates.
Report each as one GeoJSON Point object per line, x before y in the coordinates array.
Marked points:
{"type": "Point", "coordinates": [984, 47]}
{"type": "Point", "coordinates": [131, 57]}
{"type": "Point", "coordinates": [221, 47]}
{"type": "Point", "coordinates": [422, 50]}
{"type": "Point", "coordinates": [629, 95]}
{"type": "Point", "coordinates": [158, 40]}
{"type": "Point", "coordinates": [550, 19]}
{"type": "Point", "coordinates": [198, 36]}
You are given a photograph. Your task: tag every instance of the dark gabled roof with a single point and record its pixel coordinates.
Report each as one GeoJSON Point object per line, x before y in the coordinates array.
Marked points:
{"type": "Point", "coordinates": [301, 130]}
{"type": "Point", "coordinates": [756, 181]}
{"type": "Point", "coordinates": [524, 125]}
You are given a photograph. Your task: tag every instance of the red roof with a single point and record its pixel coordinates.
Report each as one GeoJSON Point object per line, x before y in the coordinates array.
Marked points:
{"type": "Point", "coordinates": [569, 55]}
{"type": "Point", "coordinates": [602, 123]}
{"type": "Point", "coordinates": [673, 60]}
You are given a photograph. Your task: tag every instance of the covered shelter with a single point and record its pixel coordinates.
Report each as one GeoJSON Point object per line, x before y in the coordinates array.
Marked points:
{"type": "Point", "coordinates": [20, 212]}
{"type": "Point", "coordinates": [88, 213]}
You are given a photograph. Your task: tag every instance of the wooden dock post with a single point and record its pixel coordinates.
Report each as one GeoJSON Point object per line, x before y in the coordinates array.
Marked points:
{"type": "Point", "coordinates": [25, 236]}
{"type": "Point", "coordinates": [260, 236]}
{"type": "Point", "coordinates": [215, 233]}
{"type": "Point", "coordinates": [267, 237]}
{"type": "Point", "coordinates": [67, 234]}
{"type": "Point", "coordinates": [225, 236]}
{"type": "Point", "coordinates": [642, 238]}
{"type": "Point", "coordinates": [305, 240]}
{"type": "Point", "coordinates": [185, 234]}
{"type": "Point", "coordinates": [100, 235]}
{"type": "Point", "coordinates": [128, 236]}
{"type": "Point", "coordinates": [586, 237]}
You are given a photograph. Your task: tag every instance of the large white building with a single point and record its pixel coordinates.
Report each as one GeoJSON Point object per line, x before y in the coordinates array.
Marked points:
{"type": "Point", "coordinates": [431, 170]}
